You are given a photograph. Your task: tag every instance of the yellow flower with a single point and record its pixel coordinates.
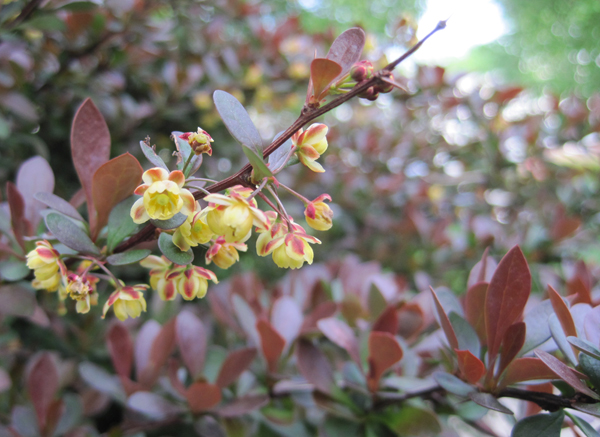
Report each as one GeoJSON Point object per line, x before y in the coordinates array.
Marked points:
{"type": "Point", "coordinates": [163, 196]}
{"type": "Point", "coordinates": [193, 231]}
{"type": "Point", "coordinates": [224, 254]}
{"type": "Point", "coordinates": [310, 145]}
{"type": "Point", "coordinates": [318, 214]}
{"type": "Point", "coordinates": [232, 216]}
{"type": "Point", "coordinates": [267, 236]}
{"type": "Point", "coordinates": [291, 249]}
{"type": "Point", "coordinates": [82, 290]}
{"type": "Point", "coordinates": [194, 282]}
{"type": "Point", "coordinates": [45, 262]}
{"type": "Point", "coordinates": [127, 301]}
{"type": "Point", "coordinates": [199, 141]}
{"type": "Point", "coordinates": [163, 275]}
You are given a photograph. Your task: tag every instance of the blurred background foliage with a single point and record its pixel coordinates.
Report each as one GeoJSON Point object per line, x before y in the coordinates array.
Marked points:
{"type": "Point", "coordinates": [501, 148]}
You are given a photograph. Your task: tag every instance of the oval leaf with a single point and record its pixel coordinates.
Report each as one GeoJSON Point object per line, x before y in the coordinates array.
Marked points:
{"type": "Point", "coordinates": [313, 365]}
{"type": "Point", "coordinates": [244, 405]}
{"type": "Point", "coordinates": [444, 321]}
{"type": "Point", "coordinates": [452, 384]}
{"type": "Point", "coordinates": [202, 395]}
{"type": "Point", "coordinates": [347, 48]}
{"type": "Point", "coordinates": [151, 156]}
{"type": "Point", "coordinates": [384, 352]}
{"type": "Point", "coordinates": [506, 297]}
{"type": "Point", "coordinates": [172, 223]}
{"type": "Point", "coordinates": [70, 234]}
{"type": "Point", "coordinates": [172, 252]}
{"type": "Point", "coordinates": [34, 175]}
{"type": "Point", "coordinates": [42, 385]}
{"type": "Point", "coordinates": [540, 425]}
{"type": "Point", "coordinates": [471, 367]}
{"type": "Point", "coordinates": [233, 366]}
{"type": "Point", "coordinates": [129, 257]}
{"type": "Point", "coordinates": [272, 343]}
{"type": "Point", "coordinates": [341, 334]}
{"type": "Point", "coordinates": [58, 204]}
{"type": "Point", "coordinates": [489, 401]}
{"type": "Point", "coordinates": [585, 347]}
{"type": "Point", "coordinates": [114, 181]}
{"type": "Point", "coordinates": [191, 339]}
{"type": "Point", "coordinates": [120, 347]}
{"type": "Point", "coordinates": [565, 373]}
{"type": "Point", "coordinates": [322, 72]}
{"type": "Point", "coordinates": [152, 405]}
{"type": "Point", "coordinates": [90, 147]}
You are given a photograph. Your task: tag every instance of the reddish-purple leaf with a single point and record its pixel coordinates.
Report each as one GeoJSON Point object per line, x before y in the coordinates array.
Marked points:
{"type": "Point", "coordinates": [191, 339]}
{"type": "Point", "coordinates": [513, 341]}
{"type": "Point", "coordinates": [120, 347]}
{"type": "Point", "coordinates": [243, 405]}
{"type": "Point", "coordinates": [563, 314]}
{"type": "Point", "coordinates": [34, 176]}
{"type": "Point", "coordinates": [444, 321]}
{"type": "Point", "coordinates": [387, 321]}
{"type": "Point", "coordinates": [271, 342]}
{"type": "Point", "coordinates": [286, 318]}
{"type": "Point", "coordinates": [114, 181]}
{"type": "Point", "coordinates": [42, 385]}
{"type": "Point", "coordinates": [580, 284]}
{"type": "Point", "coordinates": [162, 346]}
{"type": "Point", "coordinates": [20, 225]}
{"type": "Point", "coordinates": [384, 352]}
{"type": "Point", "coordinates": [233, 366]}
{"type": "Point", "coordinates": [90, 147]}
{"type": "Point", "coordinates": [322, 311]}
{"type": "Point", "coordinates": [411, 320]}
{"type": "Point", "coordinates": [526, 369]}
{"type": "Point", "coordinates": [347, 48]}
{"type": "Point", "coordinates": [483, 270]}
{"type": "Point", "coordinates": [313, 365]}
{"type": "Point", "coordinates": [322, 72]}
{"type": "Point", "coordinates": [471, 367]}
{"type": "Point", "coordinates": [143, 345]}
{"type": "Point", "coordinates": [202, 396]}
{"type": "Point", "coordinates": [506, 298]}
{"type": "Point", "coordinates": [565, 373]}
{"type": "Point", "coordinates": [341, 334]}
{"type": "Point", "coordinates": [474, 302]}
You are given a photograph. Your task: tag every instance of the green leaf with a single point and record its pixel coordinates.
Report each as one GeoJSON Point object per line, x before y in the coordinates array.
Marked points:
{"type": "Point", "coordinates": [465, 334]}
{"type": "Point", "coordinates": [120, 223]}
{"type": "Point", "coordinates": [81, 6]}
{"type": "Point", "coordinates": [45, 22]}
{"type": "Point", "coordinates": [591, 367]}
{"type": "Point", "coordinates": [585, 346]}
{"type": "Point", "coordinates": [587, 429]}
{"type": "Point", "coordinates": [240, 126]}
{"type": "Point", "coordinates": [172, 223]}
{"type": "Point", "coordinates": [412, 421]}
{"type": "Point", "coordinates": [172, 252]}
{"type": "Point", "coordinates": [540, 425]}
{"type": "Point", "coordinates": [151, 156]}
{"type": "Point", "coordinates": [13, 270]}
{"type": "Point", "coordinates": [185, 149]}
{"type": "Point", "coordinates": [453, 385]}
{"type": "Point", "coordinates": [129, 257]}
{"type": "Point", "coordinates": [70, 234]}
{"type": "Point", "coordinates": [58, 204]}
{"type": "Point", "coordinates": [489, 401]}
{"type": "Point", "coordinates": [593, 409]}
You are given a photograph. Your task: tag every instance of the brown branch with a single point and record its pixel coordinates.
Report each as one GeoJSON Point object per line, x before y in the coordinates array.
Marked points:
{"type": "Point", "coordinates": [546, 401]}
{"type": "Point", "coordinates": [308, 114]}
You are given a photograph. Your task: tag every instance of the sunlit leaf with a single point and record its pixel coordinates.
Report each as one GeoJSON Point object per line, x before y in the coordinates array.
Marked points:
{"type": "Point", "coordinates": [172, 252]}
{"type": "Point", "coordinates": [114, 181]}
{"type": "Point", "coordinates": [129, 257]}
{"type": "Point", "coordinates": [70, 234]}
{"type": "Point", "coordinates": [506, 298]}
{"type": "Point", "coordinates": [347, 48]}
{"type": "Point", "coordinates": [540, 425]}
{"type": "Point", "coordinates": [322, 72]}
{"type": "Point", "coordinates": [90, 147]}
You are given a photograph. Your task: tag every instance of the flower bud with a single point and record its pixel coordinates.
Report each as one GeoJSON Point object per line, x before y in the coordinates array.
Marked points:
{"type": "Point", "coordinates": [369, 94]}
{"type": "Point", "coordinates": [318, 214]}
{"type": "Point", "coordinates": [199, 141]}
{"type": "Point", "coordinates": [361, 71]}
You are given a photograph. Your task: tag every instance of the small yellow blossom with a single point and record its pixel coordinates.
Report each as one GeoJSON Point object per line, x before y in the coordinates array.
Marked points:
{"type": "Point", "coordinates": [224, 254]}
{"type": "Point", "coordinates": [194, 282]}
{"type": "Point", "coordinates": [318, 214]}
{"type": "Point", "coordinates": [163, 196]}
{"type": "Point", "coordinates": [310, 145]}
{"type": "Point", "coordinates": [47, 267]}
{"type": "Point", "coordinates": [290, 249]}
{"type": "Point", "coordinates": [193, 231]}
{"type": "Point", "coordinates": [232, 215]}
{"type": "Point", "coordinates": [127, 301]}
{"type": "Point", "coordinates": [82, 290]}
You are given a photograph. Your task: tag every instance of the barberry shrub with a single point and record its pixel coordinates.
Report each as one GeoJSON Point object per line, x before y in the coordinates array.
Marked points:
{"type": "Point", "coordinates": [335, 347]}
